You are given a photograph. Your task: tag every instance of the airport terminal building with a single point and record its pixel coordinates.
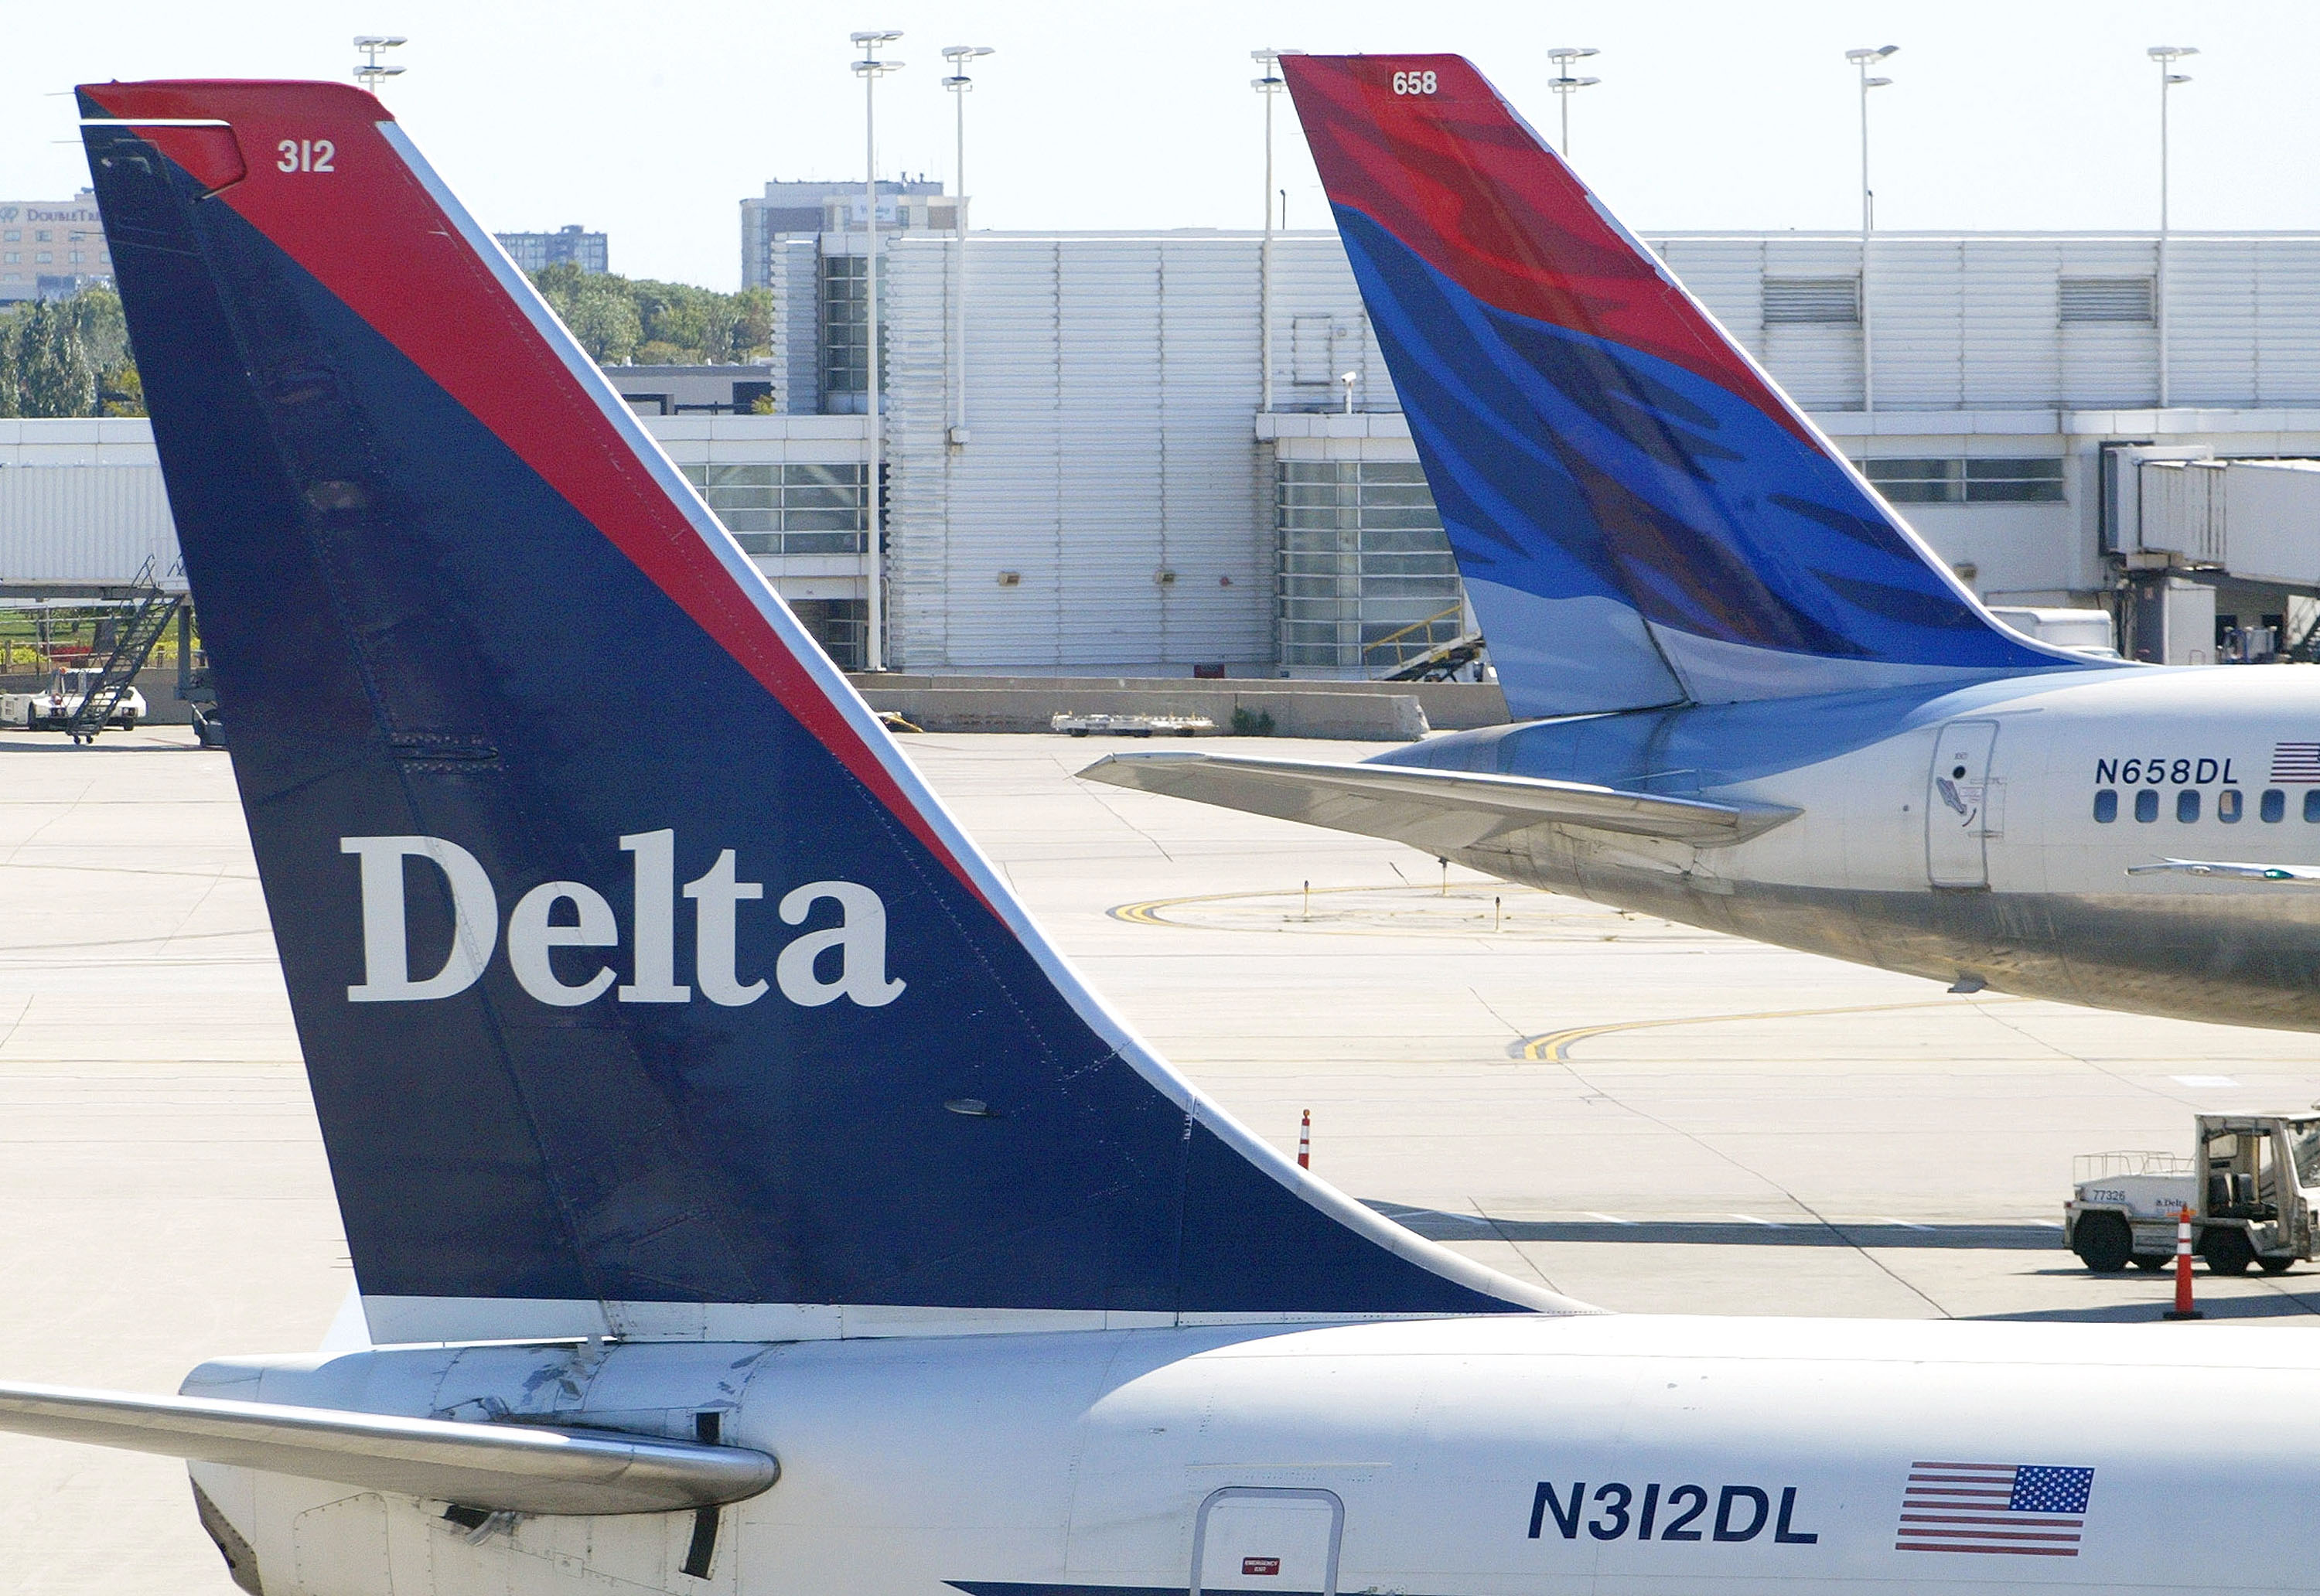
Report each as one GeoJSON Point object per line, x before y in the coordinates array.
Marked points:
{"type": "Point", "coordinates": [1090, 470]}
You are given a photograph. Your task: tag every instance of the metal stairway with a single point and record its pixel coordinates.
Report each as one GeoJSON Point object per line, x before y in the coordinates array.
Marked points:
{"type": "Point", "coordinates": [130, 648]}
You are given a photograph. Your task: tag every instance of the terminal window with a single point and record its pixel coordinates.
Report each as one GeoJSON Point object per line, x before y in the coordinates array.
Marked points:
{"type": "Point", "coordinates": [846, 330]}
{"type": "Point", "coordinates": [1367, 581]}
{"type": "Point", "coordinates": [841, 626]}
{"type": "Point", "coordinates": [788, 509]}
{"type": "Point", "coordinates": [1967, 482]}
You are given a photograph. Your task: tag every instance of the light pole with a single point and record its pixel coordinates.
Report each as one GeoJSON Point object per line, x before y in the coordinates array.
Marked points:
{"type": "Point", "coordinates": [1269, 88]}
{"type": "Point", "coordinates": [960, 85]}
{"type": "Point", "coordinates": [870, 69]}
{"type": "Point", "coordinates": [1566, 86]}
{"type": "Point", "coordinates": [1862, 59]}
{"type": "Point", "coordinates": [370, 74]}
{"type": "Point", "coordinates": [2165, 56]}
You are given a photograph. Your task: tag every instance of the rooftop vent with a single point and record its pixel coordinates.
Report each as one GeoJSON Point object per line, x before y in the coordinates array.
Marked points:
{"type": "Point", "coordinates": [1835, 301]}
{"type": "Point", "coordinates": [2105, 299]}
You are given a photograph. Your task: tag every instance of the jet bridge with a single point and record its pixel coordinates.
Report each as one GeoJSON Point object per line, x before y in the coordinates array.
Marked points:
{"type": "Point", "coordinates": [2183, 523]}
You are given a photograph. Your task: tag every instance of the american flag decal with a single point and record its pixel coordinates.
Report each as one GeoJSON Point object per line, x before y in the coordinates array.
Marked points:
{"type": "Point", "coordinates": [2295, 762]}
{"type": "Point", "coordinates": [2021, 1510]}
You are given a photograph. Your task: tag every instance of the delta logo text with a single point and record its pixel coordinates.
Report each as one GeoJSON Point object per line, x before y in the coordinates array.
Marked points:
{"type": "Point", "coordinates": [847, 959]}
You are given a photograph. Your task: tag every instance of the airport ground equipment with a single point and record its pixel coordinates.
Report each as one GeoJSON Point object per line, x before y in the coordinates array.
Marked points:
{"type": "Point", "coordinates": [209, 725]}
{"type": "Point", "coordinates": [2250, 1184]}
{"type": "Point", "coordinates": [1691, 594]}
{"type": "Point", "coordinates": [81, 701]}
{"type": "Point", "coordinates": [110, 697]}
{"type": "Point", "coordinates": [1102, 725]}
{"type": "Point", "coordinates": [701, 1109]}
{"type": "Point", "coordinates": [78, 702]}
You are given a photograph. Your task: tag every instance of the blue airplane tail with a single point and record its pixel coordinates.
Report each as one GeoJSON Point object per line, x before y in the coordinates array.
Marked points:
{"type": "Point", "coordinates": [643, 986]}
{"type": "Point", "coordinates": [1641, 517]}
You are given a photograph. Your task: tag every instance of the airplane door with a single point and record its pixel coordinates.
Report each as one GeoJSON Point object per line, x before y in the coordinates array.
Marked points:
{"type": "Point", "coordinates": [1284, 1542]}
{"type": "Point", "coordinates": [1960, 804]}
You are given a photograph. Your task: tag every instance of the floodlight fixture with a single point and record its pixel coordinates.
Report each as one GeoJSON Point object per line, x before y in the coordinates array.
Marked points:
{"type": "Point", "coordinates": [1861, 60]}
{"type": "Point", "coordinates": [2164, 57]}
{"type": "Point", "coordinates": [1268, 89]}
{"type": "Point", "coordinates": [958, 83]}
{"type": "Point", "coordinates": [370, 74]}
{"type": "Point", "coordinates": [870, 69]}
{"type": "Point", "coordinates": [959, 56]}
{"type": "Point", "coordinates": [1565, 85]}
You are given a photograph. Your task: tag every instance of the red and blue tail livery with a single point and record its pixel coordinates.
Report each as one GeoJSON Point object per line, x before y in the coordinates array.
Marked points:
{"type": "Point", "coordinates": [677, 1014]}
{"type": "Point", "coordinates": [1641, 517]}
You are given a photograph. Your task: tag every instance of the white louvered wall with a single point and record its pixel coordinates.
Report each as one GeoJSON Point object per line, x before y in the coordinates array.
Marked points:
{"type": "Point", "coordinates": [1111, 387]}
{"type": "Point", "coordinates": [76, 522]}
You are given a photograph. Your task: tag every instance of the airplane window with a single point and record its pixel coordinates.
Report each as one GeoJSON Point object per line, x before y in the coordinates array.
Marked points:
{"type": "Point", "coordinates": [2274, 807]}
{"type": "Point", "coordinates": [2312, 804]}
{"type": "Point", "coordinates": [2227, 806]}
{"type": "Point", "coordinates": [2187, 806]}
{"type": "Point", "coordinates": [2107, 805]}
{"type": "Point", "coordinates": [2146, 806]}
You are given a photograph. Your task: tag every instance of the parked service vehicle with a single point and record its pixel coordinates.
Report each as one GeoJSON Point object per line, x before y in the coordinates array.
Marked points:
{"type": "Point", "coordinates": [50, 708]}
{"type": "Point", "coordinates": [1102, 725]}
{"type": "Point", "coordinates": [2249, 1185]}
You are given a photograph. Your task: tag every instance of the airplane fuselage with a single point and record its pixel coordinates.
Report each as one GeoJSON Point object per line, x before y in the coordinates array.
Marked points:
{"type": "Point", "coordinates": [1981, 833]}
{"type": "Point", "coordinates": [1461, 1458]}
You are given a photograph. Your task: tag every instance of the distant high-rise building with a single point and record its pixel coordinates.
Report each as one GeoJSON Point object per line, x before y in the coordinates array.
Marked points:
{"type": "Point", "coordinates": [791, 210]}
{"type": "Point", "coordinates": [574, 244]}
{"type": "Point", "coordinates": [805, 242]}
{"type": "Point", "coordinates": [51, 249]}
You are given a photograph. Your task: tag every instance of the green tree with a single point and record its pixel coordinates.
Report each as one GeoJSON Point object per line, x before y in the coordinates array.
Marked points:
{"type": "Point", "coordinates": [68, 358]}
{"type": "Point", "coordinates": [11, 336]}
{"type": "Point", "coordinates": [656, 323]}
{"type": "Point", "coordinates": [749, 333]}
{"type": "Point", "coordinates": [54, 373]}
{"type": "Point", "coordinates": [598, 309]}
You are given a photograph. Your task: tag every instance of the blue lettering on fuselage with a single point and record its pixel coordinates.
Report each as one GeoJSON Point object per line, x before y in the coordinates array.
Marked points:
{"type": "Point", "coordinates": [1617, 1511]}
{"type": "Point", "coordinates": [2193, 771]}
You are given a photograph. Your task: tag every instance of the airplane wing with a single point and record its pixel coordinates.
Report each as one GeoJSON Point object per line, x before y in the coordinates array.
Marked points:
{"type": "Point", "coordinates": [2283, 874]}
{"type": "Point", "coordinates": [1440, 811]}
{"type": "Point", "coordinates": [521, 1468]}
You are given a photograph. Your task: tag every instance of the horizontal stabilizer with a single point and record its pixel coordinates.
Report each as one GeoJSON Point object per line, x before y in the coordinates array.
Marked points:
{"type": "Point", "coordinates": [2283, 874]}
{"type": "Point", "coordinates": [504, 1468]}
{"type": "Point", "coordinates": [1440, 811]}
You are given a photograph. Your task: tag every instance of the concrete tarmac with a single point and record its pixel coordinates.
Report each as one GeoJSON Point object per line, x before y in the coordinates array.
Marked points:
{"type": "Point", "coordinates": [1647, 1117]}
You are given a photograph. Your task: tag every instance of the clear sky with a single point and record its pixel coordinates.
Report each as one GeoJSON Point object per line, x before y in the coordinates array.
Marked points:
{"type": "Point", "coordinates": [651, 121]}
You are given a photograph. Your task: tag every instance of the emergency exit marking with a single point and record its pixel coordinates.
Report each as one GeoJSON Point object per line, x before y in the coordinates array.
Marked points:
{"type": "Point", "coordinates": [1260, 1565]}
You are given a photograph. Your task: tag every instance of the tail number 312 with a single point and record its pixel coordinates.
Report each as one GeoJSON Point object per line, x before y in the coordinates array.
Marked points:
{"type": "Point", "coordinates": [1404, 83]}
{"type": "Point", "coordinates": [315, 155]}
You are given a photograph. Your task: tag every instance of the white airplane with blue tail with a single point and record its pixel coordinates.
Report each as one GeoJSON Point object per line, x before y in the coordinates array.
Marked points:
{"type": "Point", "coordinates": [1746, 695]}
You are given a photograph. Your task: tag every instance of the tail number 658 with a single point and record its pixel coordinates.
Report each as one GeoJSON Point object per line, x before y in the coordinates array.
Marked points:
{"type": "Point", "coordinates": [1413, 83]}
